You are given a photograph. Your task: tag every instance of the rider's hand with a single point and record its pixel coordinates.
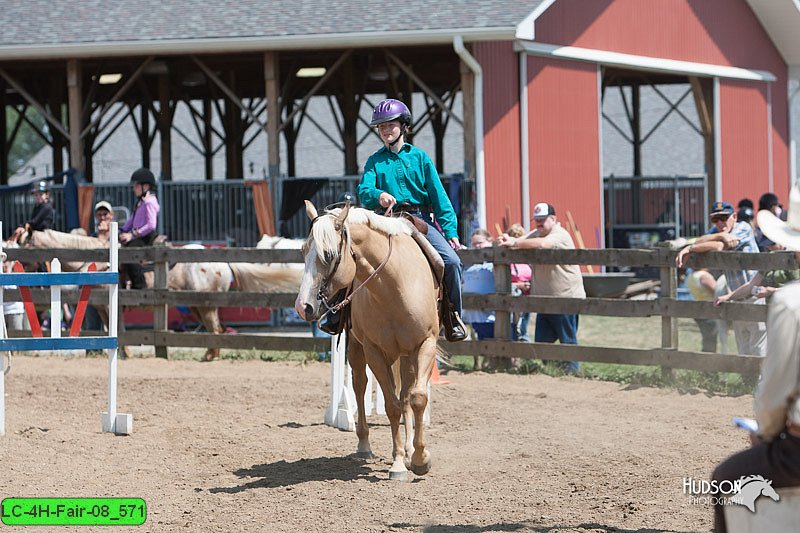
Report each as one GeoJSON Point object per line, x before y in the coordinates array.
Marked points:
{"type": "Point", "coordinates": [455, 244]}
{"type": "Point", "coordinates": [729, 241]}
{"type": "Point", "coordinates": [125, 237]}
{"type": "Point", "coordinates": [386, 200]}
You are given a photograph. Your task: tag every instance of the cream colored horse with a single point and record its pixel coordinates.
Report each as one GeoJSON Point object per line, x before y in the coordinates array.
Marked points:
{"type": "Point", "coordinates": [196, 277]}
{"type": "Point", "coordinates": [394, 316]}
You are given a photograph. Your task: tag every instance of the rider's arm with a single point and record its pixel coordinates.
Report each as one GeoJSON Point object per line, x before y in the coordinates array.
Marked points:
{"type": "Point", "coordinates": [367, 191]}
{"type": "Point", "coordinates": [442, 208]}
{"type": "Point", "coordinates": [151, 219]}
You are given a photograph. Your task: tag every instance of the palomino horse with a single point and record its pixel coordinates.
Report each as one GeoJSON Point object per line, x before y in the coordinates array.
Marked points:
{"type": "Point", "coordinates": [394, 316]}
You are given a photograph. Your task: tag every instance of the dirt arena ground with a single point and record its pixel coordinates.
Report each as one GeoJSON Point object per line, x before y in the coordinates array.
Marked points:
{"type": "Point", "coordinates": [237, 446]}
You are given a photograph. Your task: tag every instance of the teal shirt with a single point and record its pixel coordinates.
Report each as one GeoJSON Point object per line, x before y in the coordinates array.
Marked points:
{"type": "Point", "coordinates": [410, 177]}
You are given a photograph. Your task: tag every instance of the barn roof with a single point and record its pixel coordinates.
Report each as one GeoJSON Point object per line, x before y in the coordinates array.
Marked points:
{"type": "Point", "coordinates": [80, 28]}
{"type": "Point", "coordinates": [781, 20]}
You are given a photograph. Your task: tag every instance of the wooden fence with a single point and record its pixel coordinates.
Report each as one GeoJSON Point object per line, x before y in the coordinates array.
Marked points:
{"type": "Point", "coordinates": [667, 355]}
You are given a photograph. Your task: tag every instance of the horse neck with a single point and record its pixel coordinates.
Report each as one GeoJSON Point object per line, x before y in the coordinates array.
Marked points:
{"type": "Point", "coordinates": [372, 247]}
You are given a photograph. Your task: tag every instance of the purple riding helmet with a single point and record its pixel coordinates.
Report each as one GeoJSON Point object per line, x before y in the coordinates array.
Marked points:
{"type": "Point", "coordinates": [388, 110]}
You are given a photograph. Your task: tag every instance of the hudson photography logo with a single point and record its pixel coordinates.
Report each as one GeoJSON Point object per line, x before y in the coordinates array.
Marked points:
{"type": "Point", "coordinates": [743, 491]}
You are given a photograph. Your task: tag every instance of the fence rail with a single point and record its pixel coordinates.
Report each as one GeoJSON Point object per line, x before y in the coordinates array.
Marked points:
{"type": "Point", "coordinates": [666, 305]}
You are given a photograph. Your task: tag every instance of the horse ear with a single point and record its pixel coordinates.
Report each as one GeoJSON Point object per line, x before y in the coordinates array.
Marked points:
{"type": "Point", "coordinates": [339, 223]}
{"type": "Point", "coordinates": [311, 211]}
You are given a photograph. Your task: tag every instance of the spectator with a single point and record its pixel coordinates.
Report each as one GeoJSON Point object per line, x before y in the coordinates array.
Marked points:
{"type": "Point", "coordinates": [729, 234]}
{"type": "Point", "coordinates": [521, 285]}
{"type": "Point", "coordinates": [564, 281]}
{"type": "Point", "coordinates": [43, 215]}
{"type": "Point", "coordinates": [769, 202]}
{"type": "Point", "coordinates": [701, 285]}
{"type": "Point", "coordinates": [401, 173]}
{"type": "Point", "coordinates": [103, 217]}
{"type": "Point", "coordinates": [775, 451]}
{"type": "Point", "coordinates": [479, 279]}
{"type": "Point", "coordinates": [140, 229]}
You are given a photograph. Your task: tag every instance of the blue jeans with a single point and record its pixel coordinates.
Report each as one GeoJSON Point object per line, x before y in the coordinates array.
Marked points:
{"type": "Point", "coordinates": [519, 331]}
{"type": "Point", "coordinates": [452, 266]}
{"type": "Point", "coordinates": [484, 330]}
{"type": "Point", "coordinates": [562, 328]}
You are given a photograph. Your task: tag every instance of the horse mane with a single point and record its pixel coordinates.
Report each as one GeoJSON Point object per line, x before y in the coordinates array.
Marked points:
{"type": "Point", "coordinates": [325, 235]}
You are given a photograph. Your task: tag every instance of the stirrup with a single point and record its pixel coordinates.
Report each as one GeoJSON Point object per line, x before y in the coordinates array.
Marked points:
{"type": "Point", "coordinates": [454, 329]}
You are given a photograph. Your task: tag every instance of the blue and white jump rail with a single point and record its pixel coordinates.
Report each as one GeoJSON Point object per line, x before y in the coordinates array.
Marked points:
{"type": "Point", "coordinates": [111, 421]}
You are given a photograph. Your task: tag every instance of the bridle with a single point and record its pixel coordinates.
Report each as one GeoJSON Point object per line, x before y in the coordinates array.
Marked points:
{"type": "Point", "coordinates": [345, 245]}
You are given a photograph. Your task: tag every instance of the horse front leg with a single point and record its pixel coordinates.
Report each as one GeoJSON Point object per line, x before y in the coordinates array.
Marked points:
{"type": "Point", "coordinates": [383, 374]}
{"type": "Point", "coordinates": [358, 363]}
{"type": "Point", "coordinates": [404, 373]}
{"type": "Point", "coordinates": [418, 397]}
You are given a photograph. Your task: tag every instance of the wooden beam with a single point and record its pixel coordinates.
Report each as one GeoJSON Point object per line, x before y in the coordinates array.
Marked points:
{"type": "Point", "coordinates": [33, 102]}
{"type": "Point", "coordinates": [271, 91]}
{"type": "Point", "coordinates": [229, 93]}
{"type": "Point", "coordinates": [165, 126]}
{"type": "Point", "coordinates": [75, 101]}
{"type": "Point", "coordinates": [119, 94]}
{"type": "Point", "coordinates": [424, 86]}
{"type": "Point", "coordinates": [318, 85]}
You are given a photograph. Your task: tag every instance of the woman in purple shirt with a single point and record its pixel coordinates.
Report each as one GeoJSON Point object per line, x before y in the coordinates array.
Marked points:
{"type": "Point", "coordinates": [140, 229]}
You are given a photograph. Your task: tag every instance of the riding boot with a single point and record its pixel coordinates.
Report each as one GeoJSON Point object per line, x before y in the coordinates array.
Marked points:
{"type": "Point", "coordinates": [454, 328]}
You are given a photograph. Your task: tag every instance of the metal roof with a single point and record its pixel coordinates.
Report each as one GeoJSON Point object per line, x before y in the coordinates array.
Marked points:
{"type": "Point", "coordinates": [781, 20]}
{"type": "Point", "coordinates": [75, 28]}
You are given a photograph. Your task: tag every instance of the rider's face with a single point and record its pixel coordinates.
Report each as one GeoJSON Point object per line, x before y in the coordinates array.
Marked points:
{"type": "Point", "coordinates": [389, 131]}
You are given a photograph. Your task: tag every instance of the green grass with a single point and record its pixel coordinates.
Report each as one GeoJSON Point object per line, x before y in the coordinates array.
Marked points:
{"type": "Point", "coordinates": [593, 331]}
{"type": "Point", "coordinates": [636, 333]}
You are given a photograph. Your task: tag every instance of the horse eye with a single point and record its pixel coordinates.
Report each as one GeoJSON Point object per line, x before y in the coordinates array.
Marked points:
{"type": "Point", "coordinates": [328, 257]}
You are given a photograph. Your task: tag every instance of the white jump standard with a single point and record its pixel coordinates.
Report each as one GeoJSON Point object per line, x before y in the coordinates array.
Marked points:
{"type": "Point", "coordinates": [111, 421]}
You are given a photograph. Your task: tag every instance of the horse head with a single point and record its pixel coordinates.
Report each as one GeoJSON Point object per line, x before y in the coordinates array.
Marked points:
{"type": "Point", "coordinates": [329, 265]}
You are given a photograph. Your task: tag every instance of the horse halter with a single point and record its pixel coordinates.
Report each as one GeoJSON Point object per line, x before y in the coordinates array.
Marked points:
{"type": "Point", "coordinates": [333, 309]}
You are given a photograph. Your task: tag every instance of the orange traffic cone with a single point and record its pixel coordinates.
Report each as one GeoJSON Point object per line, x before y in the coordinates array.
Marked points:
{"type": "Point", "coordinates": [436, 379]}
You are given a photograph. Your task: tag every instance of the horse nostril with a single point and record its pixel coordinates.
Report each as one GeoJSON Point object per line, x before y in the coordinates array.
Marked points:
{"type": "Point", "coordinates": [308, 310]}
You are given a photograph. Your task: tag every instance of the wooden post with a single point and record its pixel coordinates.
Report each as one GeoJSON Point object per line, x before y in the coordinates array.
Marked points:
{"type": "Point", "coordinates": [144, 134]}
{"type": "Point", "coordinates": [160, 311]}
{"type": "Point", "coordinates": [669, 325]}
{"type": "Point", "coordinates": [350, 116]}
{"type": "Point", "coordinates": [207, 137]}
{"type": "Point", "coordinates": [54, 103]}
{"type": "Point", "coordinates": [165, 126]}
{"type": "Point", "coordinates": [75, 98]}
{"type": "Point", "coordinates": [272, 90]}
{"type": "Point", "coordinates": [502, 320]}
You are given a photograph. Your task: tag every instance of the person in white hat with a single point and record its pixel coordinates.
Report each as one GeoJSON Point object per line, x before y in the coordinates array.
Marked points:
{"type": "Point", "coordinates": [564, 281]}
{"type": "Point", "coordinates": [103, 217]}
{"type": "Point", "coordinates": [775, 453]}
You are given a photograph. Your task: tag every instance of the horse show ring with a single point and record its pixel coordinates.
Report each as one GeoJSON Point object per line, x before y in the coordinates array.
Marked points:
{"type": "Point", "coordinates": [239, 445]}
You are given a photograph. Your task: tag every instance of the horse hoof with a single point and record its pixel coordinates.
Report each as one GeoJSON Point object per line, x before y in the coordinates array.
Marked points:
{"type": "Point", "coordinates": [421, 470]}
{"type": "Point", "coordinates": [365, 455]}
{"type": "Point", "coordinates": [398, 476]}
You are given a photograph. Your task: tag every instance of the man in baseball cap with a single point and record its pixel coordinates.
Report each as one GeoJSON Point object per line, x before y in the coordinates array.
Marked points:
{"type": "Point", "coordinates": [103, 216]}
{"type": "Point", "coordinates": [731, 234]}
